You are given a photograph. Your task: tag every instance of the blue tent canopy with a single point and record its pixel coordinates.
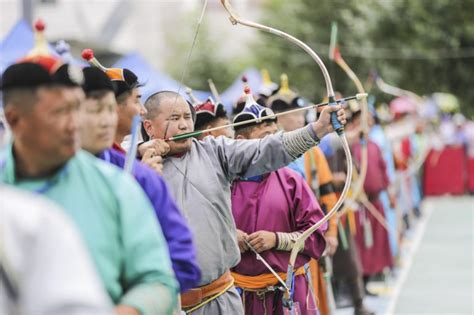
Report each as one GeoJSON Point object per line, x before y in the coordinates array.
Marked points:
{"type": "Point", "coordinates": [18, 43]}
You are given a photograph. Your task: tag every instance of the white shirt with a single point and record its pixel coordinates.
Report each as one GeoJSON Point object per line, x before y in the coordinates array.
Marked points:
{"type": "Point", "coordinates": [44, 261]}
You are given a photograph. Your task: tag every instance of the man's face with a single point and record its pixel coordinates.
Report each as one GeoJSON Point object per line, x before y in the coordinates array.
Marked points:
{"type": "Point", "coordinates": [173, 118]}
{"type": "Point", "coordinates": [293, 121]}
{"type": "Point", "coordinates": [99, 123]}
{"type": "Point", "coordinates": [130, 107]}
{"type": "Point", "coordinates": [51, 127]}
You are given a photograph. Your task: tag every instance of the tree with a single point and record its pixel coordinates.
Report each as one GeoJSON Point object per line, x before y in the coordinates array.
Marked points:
{"type": "Point", "coordinates": [427, 45]}
{"type": "Point", "coordinates": [436, 44]}
{"type": "Point", "coordinates": [312, 24]}
{"type": "Point", "coordinates": [205, 63]}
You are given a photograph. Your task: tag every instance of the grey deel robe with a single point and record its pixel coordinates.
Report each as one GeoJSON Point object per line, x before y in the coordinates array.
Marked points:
{"type": "Point", "coordinates": [200, 183]}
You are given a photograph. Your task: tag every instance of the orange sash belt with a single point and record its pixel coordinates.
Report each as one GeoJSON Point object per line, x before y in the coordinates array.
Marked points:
{"type": "Point", "coordinates": [196, 296]}
{"type": "Point", "coordinates": [261, 281]}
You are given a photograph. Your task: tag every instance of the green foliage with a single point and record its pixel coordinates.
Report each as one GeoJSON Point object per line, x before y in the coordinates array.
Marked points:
{"type": "Point", "coordinates": [204, 63]}
{"type": "Point", "coordinates": [413, 44]}
{"type": "Point", "coordinates": [424, 46]}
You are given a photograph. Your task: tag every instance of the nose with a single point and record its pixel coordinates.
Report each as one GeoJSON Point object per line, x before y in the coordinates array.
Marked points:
{"type": "Point", "coordinates": [106, 119]}
{"type": "Point", "coordinates": [74, 120]}
{"type": "Point", "coordinates": [182, 124]}
{"type": "Point", "coordinates": [143, 110]}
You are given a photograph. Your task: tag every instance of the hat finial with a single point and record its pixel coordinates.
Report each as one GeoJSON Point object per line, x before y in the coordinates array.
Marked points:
{"type": "Point", "coordinates": [249, 100]}
{"type": "Point", "coordinates": [284, 85]}
{"type": "Point", "coordinates": [88, 55]}
{"type": "Point", "coordinates": [40, 47]}
{"type": "Point", "coordinates": [266, 77]}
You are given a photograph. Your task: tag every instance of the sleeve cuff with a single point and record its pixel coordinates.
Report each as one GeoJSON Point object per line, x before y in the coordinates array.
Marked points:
{"type": "Point", "coordinates": [298, 141]}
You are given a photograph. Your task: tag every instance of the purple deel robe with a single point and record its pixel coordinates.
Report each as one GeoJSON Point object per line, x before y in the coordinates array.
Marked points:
{"type": "Point", "coordinates": [177, 233]}
{"type": "Point", "coordinates": [379, 256]}
{"type": "Point", "coordinates": [281, 202]}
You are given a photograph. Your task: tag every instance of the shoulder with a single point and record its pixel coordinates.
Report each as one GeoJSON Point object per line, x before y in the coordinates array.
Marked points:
{"type": "Point", "coordinates": [373, 145]}
{"type": "Point", "coordinates": [111, 174]}
{"type": "Point", "coordinates": [117, 158]}
{"type": "Point", "coordinates": [89, 162]}
{"type": "Point", "coordinates": [290, 175]}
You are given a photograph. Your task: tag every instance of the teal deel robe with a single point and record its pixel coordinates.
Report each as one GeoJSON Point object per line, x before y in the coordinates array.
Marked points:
{"type": "Point", "coordinates": [117, 222]}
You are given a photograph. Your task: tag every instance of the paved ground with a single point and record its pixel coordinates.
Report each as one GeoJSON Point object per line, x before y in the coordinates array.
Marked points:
{"type": "Point", "coordinates": [436, 270]}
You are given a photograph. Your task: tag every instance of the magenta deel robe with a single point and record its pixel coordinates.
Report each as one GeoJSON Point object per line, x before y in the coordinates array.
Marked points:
{"type": "Point", "coordinates": [379, 256]}
{"type": "Point", "coordinates": [282, 202]}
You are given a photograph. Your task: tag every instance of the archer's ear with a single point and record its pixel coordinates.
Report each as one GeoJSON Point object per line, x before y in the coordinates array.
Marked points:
{"type": "Point", "coordinates": [148, 127]}
{"type": "Point", "coordinates": [240, 137]}
{"type": "Point", "coordinates": [12, 116]}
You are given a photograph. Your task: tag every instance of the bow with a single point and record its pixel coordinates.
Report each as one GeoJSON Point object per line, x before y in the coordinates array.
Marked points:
{"type": "Point", "coordinates": [188, 59]}
{"type": "Point", "coordinates": [358, 186]}
{"type": "Point", "coordinates": [396, 91]}
{"type": "Point", "coordinates": [235, 19]}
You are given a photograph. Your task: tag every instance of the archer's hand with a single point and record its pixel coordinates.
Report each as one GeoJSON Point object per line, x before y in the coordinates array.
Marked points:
{"type": "Point", "coordinates": [323, 125]}
{"type": "Point", "coordinates": [241, 236]}
{"type": "Point", "coordinates": [153, 160]}
{"type": "Point", "coordinates": [160, 146]}
{"type": "Point", "coordinates": [262, 240]}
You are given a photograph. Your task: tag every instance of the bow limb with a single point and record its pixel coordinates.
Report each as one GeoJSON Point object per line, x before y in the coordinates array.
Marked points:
{"type": "Point", "coordinates": [396, 91]}
{"type": "Point", "coordinates": [235, 19]}
{"type": "Point", "coordinates": [364, 200]}
{"type": "Point", "coordinates": [358, 186]}
{"type": "Point", "coordinates": [188, 59]}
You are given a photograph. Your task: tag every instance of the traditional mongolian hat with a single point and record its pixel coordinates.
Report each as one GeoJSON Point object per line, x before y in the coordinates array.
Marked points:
{"type": "Point", "coordinates": [123, 80]}
{"type": "Point", "coordinates": [252, 110]}
{"type": "Point", "coordinates": [40, 53]}
{"type": "Point", "coordinates": [285, 98]}
{"type": "Point", "coordinates": [268, 87]}
{"type": "Point", "coordinates": [207, 111]}
{"type": "Point", "coordinates": [96, 80]}
{"type": "Point", "coordinates": [239, 105]}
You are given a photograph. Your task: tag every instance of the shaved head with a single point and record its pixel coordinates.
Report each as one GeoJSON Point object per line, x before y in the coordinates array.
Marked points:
{"type": "Point", "coordinates": [154, 102]}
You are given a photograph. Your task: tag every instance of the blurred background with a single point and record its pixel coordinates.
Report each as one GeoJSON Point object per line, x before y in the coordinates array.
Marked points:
{"type": "Point", "coordinates": [424, 46]}
{"type": "Point", "coordinates": [421, 46]}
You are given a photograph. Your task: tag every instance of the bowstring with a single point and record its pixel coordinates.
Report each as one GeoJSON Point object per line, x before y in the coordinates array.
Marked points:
{"type": "Point", "coordinates": [180, 86]}
{"type": "Point", "coordinates": [186, 64]}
